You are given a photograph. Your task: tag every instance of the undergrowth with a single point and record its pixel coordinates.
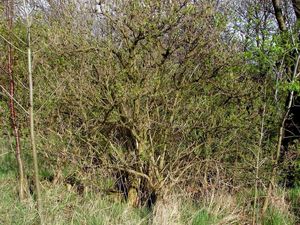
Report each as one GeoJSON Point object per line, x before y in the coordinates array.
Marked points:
{"type": "Point", "coordinates": [63, 205]}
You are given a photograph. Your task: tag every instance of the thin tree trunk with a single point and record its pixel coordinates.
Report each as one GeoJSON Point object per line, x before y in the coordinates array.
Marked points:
{"type": "Point", "coordinates": [31, 118]}
{"type": "Point", "coordinates": [283, 28]}
{"type": "Point", "coordinates": [13, 116]}
{"type": "Point", "coordinates": [32, 133]}
{"type": "Point", "coordinates": [258, 155]}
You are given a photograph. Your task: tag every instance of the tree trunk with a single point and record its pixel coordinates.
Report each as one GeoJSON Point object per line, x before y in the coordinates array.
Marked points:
{"type": "Point", "coordinates": [133, 195]}
{"type": "Point", "coordinates": [283, 28]}
{"type": "Point", "coordinates": [291, 96]}
{"type": "Point", "coordinates": [13, 116]}
{"type": "Point", "coordinates": [296, 6]}
{"type": "Point", "coordinates": [31, 118]}
{"type": "Point", "coordinates": [279, 15]}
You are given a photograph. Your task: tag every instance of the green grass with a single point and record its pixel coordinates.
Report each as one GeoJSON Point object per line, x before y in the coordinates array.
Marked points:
{"type": "Point", "coordinates": [62, 206]}
{"type": "Point", "coordinates": [294, 197]}
{"type": "Point", "coordinates": [65, 206]}
{"type": "Point", "coordinates": [275, 217]}
{"type": "Point", "coordinates": [204, 218]}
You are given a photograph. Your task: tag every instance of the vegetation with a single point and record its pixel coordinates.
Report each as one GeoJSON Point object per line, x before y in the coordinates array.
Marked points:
{"type": "Point", "coordinates": [149, 112]}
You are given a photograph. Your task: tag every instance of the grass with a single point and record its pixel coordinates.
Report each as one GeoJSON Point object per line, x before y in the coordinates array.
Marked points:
{"type": "Point", "coordinates": [65, 206]}
{"type": "Point", "coordinates": [204, 218]}
{"type": "Point", "coordinates": [294, 197]}
{"type": "Point", "coordinates": [275, 217]}
{"type": "Point", "coordinates": [62, 206]}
